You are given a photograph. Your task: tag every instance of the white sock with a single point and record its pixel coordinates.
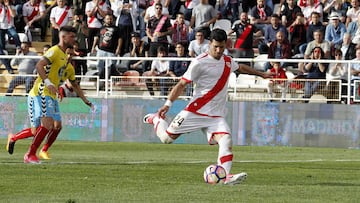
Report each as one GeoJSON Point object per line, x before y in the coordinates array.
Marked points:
{"type": "Point", "coordinates": [225, 155]}
{"type": "Point", "coordinates": [160, 126]}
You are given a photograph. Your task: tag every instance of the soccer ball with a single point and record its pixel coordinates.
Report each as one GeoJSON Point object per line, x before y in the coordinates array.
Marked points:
{"type": "Point", "coordinates": [214, 174]}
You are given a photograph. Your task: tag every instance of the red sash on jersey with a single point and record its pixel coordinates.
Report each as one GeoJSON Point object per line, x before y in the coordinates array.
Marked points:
{"type": "Point", "coordinates": [160, 24]}
{"type": "Point", "coordinates": [7, 14]}
{"type": "Point", "coordinates": [34, 12]}
{"type": "Point", "coordinates": [92, 18]}
{"type": "Point", "coordinates": [201, 101]}
{"type": "Point", "coordinates": [63, 16]}
{"type": "Point", "coordinates": [243, 36]}
{"type": "Point", "coordinates": [187, 2]}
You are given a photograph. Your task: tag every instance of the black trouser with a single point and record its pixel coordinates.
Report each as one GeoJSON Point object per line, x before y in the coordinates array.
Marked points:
{"type": "Point", "coordinates": [54, 37]}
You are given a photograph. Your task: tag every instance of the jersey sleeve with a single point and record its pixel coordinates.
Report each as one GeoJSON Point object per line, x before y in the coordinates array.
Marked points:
{"type": "Point", "coordinates": [234, 65]}
{"type": "Point", "coordinates": [192, 72]}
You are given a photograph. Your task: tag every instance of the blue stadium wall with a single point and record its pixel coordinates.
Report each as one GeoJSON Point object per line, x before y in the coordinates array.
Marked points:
{"type": "Point", "coordinates": [252, 123]}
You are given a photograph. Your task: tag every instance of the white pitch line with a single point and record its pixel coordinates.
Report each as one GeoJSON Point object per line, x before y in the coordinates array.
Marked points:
{"type": "Point", "coordinates": [188, 162]}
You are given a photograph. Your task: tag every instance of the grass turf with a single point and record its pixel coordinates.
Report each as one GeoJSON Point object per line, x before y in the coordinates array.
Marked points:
{"type": "Point", "coordinates": [143, 172]}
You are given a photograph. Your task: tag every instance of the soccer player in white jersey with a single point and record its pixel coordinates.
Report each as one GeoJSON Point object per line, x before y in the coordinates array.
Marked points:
{"type": "Point", "coordinates": [206, 110]}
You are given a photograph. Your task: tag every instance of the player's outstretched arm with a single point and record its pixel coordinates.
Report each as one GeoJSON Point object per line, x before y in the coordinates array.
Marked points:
{"type": "Point", "coordinates": [243, 68]}
{"type": "Point", "coordinates": [174, 94]}
{"type": "Point", "coordinates": [80, 93]}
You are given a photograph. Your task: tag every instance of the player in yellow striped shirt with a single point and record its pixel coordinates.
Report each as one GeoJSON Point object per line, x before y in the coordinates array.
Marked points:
{"type": "Point", "coordinates": [53, 68]}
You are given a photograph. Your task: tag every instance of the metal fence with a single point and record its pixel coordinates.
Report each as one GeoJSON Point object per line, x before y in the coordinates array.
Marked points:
{"type": "Point", "coordinates": [241, 87]}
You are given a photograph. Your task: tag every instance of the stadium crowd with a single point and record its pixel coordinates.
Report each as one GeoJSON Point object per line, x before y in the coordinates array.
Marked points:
{"type": "Point", "coordinates": [280, 29]}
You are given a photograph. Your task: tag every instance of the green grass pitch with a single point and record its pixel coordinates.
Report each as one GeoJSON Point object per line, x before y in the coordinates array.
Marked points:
{"type": "Point", "coordinates": [145, 172]}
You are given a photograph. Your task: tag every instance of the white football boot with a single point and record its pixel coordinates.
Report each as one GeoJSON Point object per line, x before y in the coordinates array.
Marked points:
{"type": "Point", "coordinates": [233, 179]}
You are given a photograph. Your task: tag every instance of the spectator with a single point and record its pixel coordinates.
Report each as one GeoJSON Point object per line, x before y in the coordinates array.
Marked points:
{"type": "Point", "coordinates": [174, 7]}
{"type": "Point", "coordinates": [34, 13]}
{"type": "Point", "coordinates": [277, 72]}
{"type": "Point", "coordinates": [247, 5]}
{"type": "Point", "coordinates": [79, 5]}
{"type": "Point", "coordinates": [353, 13]}
{"type": "Point", "coordinates": [339, 71]}
{"type": "Point", "coordinates": [354, 31]}
{"type": "Point", "coordinates": [316, 70]}
{"type": "Point", "coordinates": [26, 66]}
{"type": "Point", "coordinates": [18, 7]}
{"type": "Point", "coordinates": [326, 10]}
{"type": "Point", "coordinates": [245, 32]}
{"type": "Point", "coordinates": [60, 16]}
{"type": "Point", "coordinates": [311, 7]}
{"type": "Point", "coordinates": [82, 31]}
{"type": "Point", "coordinates": [334, 32]}
{"type": "Point", "coordinates": [348, 48]}
{"type": "Point", "coordinates": [7, 25]}
{"type": "Point", "coordinates": [317, 42]}
{"type": "Point", "coordinates": [180, 31]}
{"type": "Point", "coordinates": [159, 27]}
{"type": "Point", "coordinates": [125, 12]}
{"type": "Point", "coordinates": [95, 12]}
{"type": "Point", "coordinates": [4, 25]}
{"type": "Point", "coordinates": [288, 12]}
{"type": "Point", "coordinates": [279, 49]}
{"type": "Point", "coordinates": [189, 6]}
{"type": "Point", "coordinates": [138, 48]}
{"type": "Point", "coordinates": [339, 7]}
{"type": "Point", "coordinates": [203, 15]}
{"type": "Point", "coordinates": [159, 68]}
{"type": "Point", "coordinates": [108, 40]}
{"type": "Point", "coordinates": [260, 15]}
{"type": "Point", "coordinates": [142, 6]}
{"type": "Point", "coordinates": [199, 45]}
{"type": "Point", "coordinates": [79, 65]}
{"type": "Point", "coordinates": [151, 11]}
{"type": "Point", "coordinates": [356, 36]}
{"type": "Point", "coordinates": [178, 68]}
{"type": "Point", "coordinates": [314, 25]}
{"type": "Point", "coordinates": [229, 6]}
{"type": "Point", "coordinates": [297, 33]}
{"type": "Point", "coordinates": [270, 33]}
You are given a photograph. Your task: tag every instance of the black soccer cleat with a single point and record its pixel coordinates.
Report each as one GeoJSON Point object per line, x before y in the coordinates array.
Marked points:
{"type": "Point", "coordinates": [10, 145]}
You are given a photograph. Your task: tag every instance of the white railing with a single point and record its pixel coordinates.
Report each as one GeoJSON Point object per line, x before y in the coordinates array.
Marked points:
{"type": "Point", "coordinates": [240, 89]}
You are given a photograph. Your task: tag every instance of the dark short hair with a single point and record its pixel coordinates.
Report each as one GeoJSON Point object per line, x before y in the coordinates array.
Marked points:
{"type": "Point", "coordinates": [321, 51]}
{"type": "Point", "coordinates": [78, 12]}
{"type": "Point", "coordinates": [26, 42]}
{"type": "Point", "coordinates": [161, 49]}
{"type": "Point", "coordinates": [275, 16]}
{"type": "Point", "coordinates": [338, 51]}
{"type": "Point", "coordinates": [315, 13]}
{"type": "Point", "coordinates": [218, 35]}
{"type": "Point", "coordinates": [68, 28]}
{"type": "Point", "coordinates": [135, 34]}
{"type": "Point", "coordinates": [158, 4]}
